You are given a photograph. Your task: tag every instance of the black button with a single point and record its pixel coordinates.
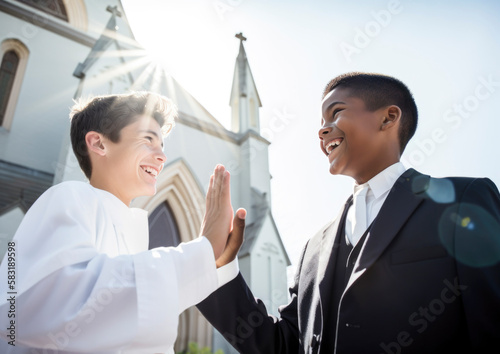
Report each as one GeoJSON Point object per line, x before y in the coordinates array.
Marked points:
{"type": "Point", "coordinates": [352, 325]}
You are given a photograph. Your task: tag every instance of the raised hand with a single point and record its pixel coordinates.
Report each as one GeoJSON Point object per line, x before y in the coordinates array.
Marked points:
{"type": "Point", "coordinates": [217, 223]}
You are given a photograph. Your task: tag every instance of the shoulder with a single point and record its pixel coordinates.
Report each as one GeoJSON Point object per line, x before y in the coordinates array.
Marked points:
{"type": "Point", "coordinates": [448, 189]}
{"type": "Point", "coordinates": [466, 186]}
{"type": "Point", "coordinates": [69, 188]}
{"type": "Point", "coordinates": [483, 192]}
{"type": "Point", "coordinates": [66, 196]}
{"type": "Point", "coordinates": [62, 206]}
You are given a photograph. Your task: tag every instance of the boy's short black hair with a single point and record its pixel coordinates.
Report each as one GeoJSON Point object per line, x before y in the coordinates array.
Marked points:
{"type": "Point", "coordinates": [377, 91]}
{"type": "Point", "coordinates": [109, 114]}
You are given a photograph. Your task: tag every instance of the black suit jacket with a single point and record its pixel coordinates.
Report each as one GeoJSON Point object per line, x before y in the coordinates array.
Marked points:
{"type": "Point", "coordinates": [427, 280]}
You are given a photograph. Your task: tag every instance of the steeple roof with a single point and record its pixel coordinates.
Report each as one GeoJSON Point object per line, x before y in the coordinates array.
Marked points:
{"type": "Point", "coordinates": [243, 79]}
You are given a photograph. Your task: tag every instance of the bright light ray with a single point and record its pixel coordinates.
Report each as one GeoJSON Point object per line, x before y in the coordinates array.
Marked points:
{"type": "Point", "coordinates": [125, 68]}
{"type": "Point", "coordinates": [139, 83]}
{"type": "Point", "coordinates": [124, 53]}
{"type": "Point", "coordinates": [122, 38]}
{"type": "Point", "coordinates": [56, 99]}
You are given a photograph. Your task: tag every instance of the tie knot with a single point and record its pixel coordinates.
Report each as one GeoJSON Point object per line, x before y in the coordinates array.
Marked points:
{"type": "Point", "coordinates": [362, 190]}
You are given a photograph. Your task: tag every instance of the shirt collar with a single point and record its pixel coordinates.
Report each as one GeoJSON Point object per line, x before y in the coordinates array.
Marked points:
{"type": "Point", "coordinates": [383, 182]}
{"type": "Point", "coordinates": [131, 222]}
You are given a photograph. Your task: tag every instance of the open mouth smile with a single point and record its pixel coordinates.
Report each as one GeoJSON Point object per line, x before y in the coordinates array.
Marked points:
{"type": "Point", "coordinates": [332, 145]}
{"type": "Point", "coordinates": [151, 171]}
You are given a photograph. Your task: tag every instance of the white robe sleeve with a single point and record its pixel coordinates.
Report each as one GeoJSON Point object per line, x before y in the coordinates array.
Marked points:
{"type": "Point", "coordinates": [70, 297]}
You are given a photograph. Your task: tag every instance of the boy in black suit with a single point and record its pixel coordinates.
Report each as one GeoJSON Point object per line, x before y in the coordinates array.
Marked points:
{"type": "Point", "coordinates": [412, 264]}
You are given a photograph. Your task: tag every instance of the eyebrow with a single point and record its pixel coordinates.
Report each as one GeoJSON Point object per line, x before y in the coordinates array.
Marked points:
{"type": "Point", "coordinates": [331, 105]}
{"type": "Point", "coordinates": [152, 132]}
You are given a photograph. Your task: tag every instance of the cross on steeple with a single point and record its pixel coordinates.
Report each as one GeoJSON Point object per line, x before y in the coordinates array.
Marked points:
{"type": "Point", "coordinates": [240, 37]}
{"type": "Point", "coordinates": [104, 41]}
{"type": "Point", "coordinates": [114, 10]}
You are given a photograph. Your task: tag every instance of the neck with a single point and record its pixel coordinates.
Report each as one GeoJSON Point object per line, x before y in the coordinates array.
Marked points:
{"type": "Point", "coordinates": [363, 178]}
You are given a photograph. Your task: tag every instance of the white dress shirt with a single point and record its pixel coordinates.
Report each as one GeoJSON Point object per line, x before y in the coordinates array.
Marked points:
{"type": "Point", "coordinates": [85, 281]}
{"type": "Point", "coordinates": [380, 186]}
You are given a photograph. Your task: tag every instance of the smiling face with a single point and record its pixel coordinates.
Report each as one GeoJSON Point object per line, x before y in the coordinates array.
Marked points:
{"type": "Point", "coordinates": [358, 143]}
{"type": "Point", "coordinates": [129, 167]}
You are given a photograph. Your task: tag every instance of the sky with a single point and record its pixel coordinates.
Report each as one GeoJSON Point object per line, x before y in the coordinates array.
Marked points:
{"type": "Point", "coordinates": [446, 52]}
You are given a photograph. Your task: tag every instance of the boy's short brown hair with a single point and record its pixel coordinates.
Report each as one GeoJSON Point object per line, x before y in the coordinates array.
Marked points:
{"type": "Point", "coordinates": [377, 91]}
{"type": "Point", "coordinates": [109, 114]}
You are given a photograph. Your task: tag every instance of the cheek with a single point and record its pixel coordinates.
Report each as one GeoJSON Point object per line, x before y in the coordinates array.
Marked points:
{"type": "Point", "coordinates": [127, 160]}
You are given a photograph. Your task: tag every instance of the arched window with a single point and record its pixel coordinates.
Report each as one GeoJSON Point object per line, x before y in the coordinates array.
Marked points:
{"type": "Point", "coordinates": [8, 68]}
{"type": "Point", "coordinates": [53, 7]}
{"type": "Point", "coordinates": [14, 58]}
{"type": "Point", "coordinates": [163, 230]}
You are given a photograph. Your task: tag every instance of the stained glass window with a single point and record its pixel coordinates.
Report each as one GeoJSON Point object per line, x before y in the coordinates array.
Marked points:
{"type": "Point", "coordinates": [53, 7]}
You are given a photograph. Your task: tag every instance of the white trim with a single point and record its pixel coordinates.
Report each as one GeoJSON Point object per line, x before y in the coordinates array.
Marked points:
{"type": "Point", "coordinates": [77, 14]}
{"type": "Point", "coordinates": [22, 51]}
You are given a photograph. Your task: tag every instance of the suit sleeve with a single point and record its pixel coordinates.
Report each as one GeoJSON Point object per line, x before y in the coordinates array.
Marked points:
{"type": "Point", "coordinates": [244, 322]}
{"type": "Point", "coordinates": [72, 298]}
{"type": "Point", "coordinates": [477, 251]}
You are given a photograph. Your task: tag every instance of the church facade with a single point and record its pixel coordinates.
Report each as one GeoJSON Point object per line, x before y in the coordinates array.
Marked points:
{"type": "Point", "coordinates": [55, 51]}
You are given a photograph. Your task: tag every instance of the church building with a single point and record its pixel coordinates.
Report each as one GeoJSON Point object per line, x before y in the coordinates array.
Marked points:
{"type": "Point", "coordinates": [54, 51]}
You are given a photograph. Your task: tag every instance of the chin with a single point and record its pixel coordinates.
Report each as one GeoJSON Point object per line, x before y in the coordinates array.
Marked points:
{"type": "Point", "coordinates": [335, 170]}
{"type": "Point", "coordinates": [147, 191]}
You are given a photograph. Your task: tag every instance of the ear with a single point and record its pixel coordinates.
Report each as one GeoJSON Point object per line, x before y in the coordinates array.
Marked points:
{"type": "Point", "coordinates": [95, 144]}
{"type": "Point", "coordinates": [392, 116]}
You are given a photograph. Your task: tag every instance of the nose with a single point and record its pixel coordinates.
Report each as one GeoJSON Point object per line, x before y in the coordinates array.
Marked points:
{"type": "Point", "coordinates": [160, 156]}
{"type": "Point", "coordinates": [324, 131]}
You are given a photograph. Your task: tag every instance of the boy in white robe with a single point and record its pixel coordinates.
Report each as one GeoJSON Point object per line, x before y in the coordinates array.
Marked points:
{"type": "Point", "coordinates": [83, 279]}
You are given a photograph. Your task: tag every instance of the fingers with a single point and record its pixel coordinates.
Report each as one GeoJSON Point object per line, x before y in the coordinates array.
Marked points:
{"type": "Point", "coordinates": [238, 233]}
{"type": "Point", "coordinates": [215, 186]}
{"type": "Point", "coordinates": [225, 190]}
{"type": "Point", "coordinates": [218, 219]}
{"type": "Point", "coordinates": [218, 182]}
{"type": "Point", "coordinates": [235, 239]}
{"type": "Point", "coordinates": [208, 200]}
{"type": "Point", "coordinates": [239, 221]}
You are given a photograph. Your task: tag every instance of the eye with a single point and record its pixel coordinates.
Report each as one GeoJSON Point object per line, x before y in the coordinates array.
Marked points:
{"type": "Point", "coordinates": [149, 138]}
{"type": "Point", "coordinates": [337, 111]}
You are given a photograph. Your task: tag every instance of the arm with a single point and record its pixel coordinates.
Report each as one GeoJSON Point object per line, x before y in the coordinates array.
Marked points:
{"type": "Point", "coordinates": [71, 297]}
{"type": "Point", "coordinates": [477, 251]}
{"type": "Point", "coordinates": [244, 322]}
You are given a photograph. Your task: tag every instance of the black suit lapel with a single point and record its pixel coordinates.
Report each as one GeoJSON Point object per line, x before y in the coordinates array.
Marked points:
{"type": "Point", "coordinates": [404, 197]}
{"type": "Point", "coordinates": [328, 255]}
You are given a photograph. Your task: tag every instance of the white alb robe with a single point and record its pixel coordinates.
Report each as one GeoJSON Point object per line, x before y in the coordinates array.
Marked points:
{"type": "Point", "coordinates": [86, 282]}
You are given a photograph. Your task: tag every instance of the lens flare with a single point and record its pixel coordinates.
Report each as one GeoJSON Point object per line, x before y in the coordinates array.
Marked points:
{"type": "Point", "coordinates": [470, 234]}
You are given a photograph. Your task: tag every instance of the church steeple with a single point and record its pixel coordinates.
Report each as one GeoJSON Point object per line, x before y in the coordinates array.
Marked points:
{"type": "Point", "coordinates": [245, 100]}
